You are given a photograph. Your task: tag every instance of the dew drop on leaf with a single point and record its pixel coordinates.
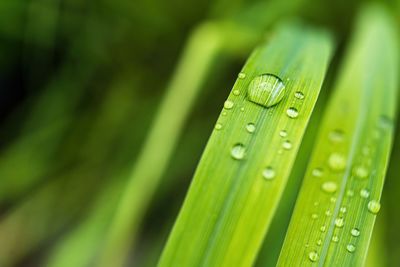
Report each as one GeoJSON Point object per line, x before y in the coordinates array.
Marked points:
{"type": "Point", "coordinates": [336, 136]}
{"type": "Point", "coordinates": [313, 256]}
{"type": "Point", "coordinates": [287, 145]}
{"type": "Point", "coordinates": [292, 112]}
{"type": "Point", "coordinates": [218, 126]}
{"type": "Point", "coordinates": [364, 193]}
{"type": "Point", "coordinates": [355, 232]}
{"type": "Point", "coordinates": [329, 187]}
{"type": "Point", "coordinates": [350, 248]}
{"type": "Point", "coordinates": [374, 206]}
{"type": "Point", "coordinates": [339, 222]}
{"type": "Point", "coordinates": [299, 95]}
{"type": "Point", "coordinates": [337, 162]}
{"type": "Point", "coordinates": [360, 172]}
{"type": "Point", "coordinates": [317, 172]}
{"type": "Point", "coordinates": [269, 173]}
{"type": "Point", "coordinates": [238, 151]}
{"type": "Point", "coordinates": [266, 90]}
{"type": "Point", "coordinates": [241, 75]}
{"type": "Point", "coordinates": [283, 133]}
{"type": "Point", "coordinates": [250, 127]}
{"type": "Point", "coordinates": [228, 104]}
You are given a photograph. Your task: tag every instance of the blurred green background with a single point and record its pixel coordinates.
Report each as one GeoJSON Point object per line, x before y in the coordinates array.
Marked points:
{"type": "Point", "coordinates": [81, 85]}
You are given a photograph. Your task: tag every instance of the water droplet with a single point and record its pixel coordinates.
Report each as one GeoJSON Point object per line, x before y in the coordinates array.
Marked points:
{"type": "Point", "coordinates": [224, 113]}
{"type": "Point", "coordinates": [287, 145]}
{"type": "Point", "coordinates": [336, 136]}
{"type": "Point", "coordinates": [241, 75]}
{"type": "Point", "coordinates": [360, 172]}
{"type": "Point", "coordinates": [241, 109]}
{"type": "Point", "coordinates": [269, 173]}
{"type": "Point", "coordinates": [328, 213]}
{"type": "Point", "coordinates": [374, 206]}
{"type": "Point", "coordinates": [364, 193]}
{"type": "Point", "coordinates": [316, 203]}
{"type": "Point", "coordinates": [313, 256]}
{"type": "Point", "coordinates": [250, 127]}
{"type": "Point", "coordinates": [299, 95]}
{"type": "Point", "coordinates": [343, 209]}
{"type": "Point", "coordinates": [323, 228]}
{"type": "Point", "coordinates": [236, 92]}
{"type": "Point", "coordinates": [337, 162]}
{"type": "Point", "coordinates": [350, 248]}
{"type": "Point", "coordinates": [335, 238]}
{"type": "Point", "coordinates": [314, 216]}
{"type": "Point", "coordinates": [355, 232]}
{"type": "Point", "coordinates": [350, 193]}
{"type": "Point", "coordinates": [317, 172]}
{"type": "Point", "coordinates": [333, 199]}
{"type": "Point", "coordinates": [319, 242]}
{"type": "Point", "coordinates": [266, 90]}
{"type": "Point", "coordinates": [339, 222]}
{"type": "Point", "coordinates": [238, 151]}
{"type": "Point", "coordinates": [292, 112]}
{"type": "Point", "coordinates": [218, 126]}
{"type": "Point", "coordinates": [228, 104]}
{"type": "Point", "coordinates": [283, 133]}
{"type": "Point", "coordinates": [329, 187]}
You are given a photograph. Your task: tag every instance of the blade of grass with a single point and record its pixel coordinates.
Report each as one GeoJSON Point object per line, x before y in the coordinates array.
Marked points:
{"type": "Point", "coordinates": [339, 199]}
{"type": "Point", "coordinates": [229, 205]}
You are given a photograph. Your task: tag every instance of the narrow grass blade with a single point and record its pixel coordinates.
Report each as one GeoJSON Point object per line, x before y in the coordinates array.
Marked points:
{"type": "Point", "coordinates": [229, 204]}
{"type": "Point", "coordinates": [339, 199]}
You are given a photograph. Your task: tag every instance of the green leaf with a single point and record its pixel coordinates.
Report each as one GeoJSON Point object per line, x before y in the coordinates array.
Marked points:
{"type": "Point", "coordinates": [340, 196]}
{"type": "Point", "coordinates": [230, 204]}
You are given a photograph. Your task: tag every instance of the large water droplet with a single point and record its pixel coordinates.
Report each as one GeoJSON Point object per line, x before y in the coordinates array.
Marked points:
{"type": "Point", "coordinates": [374, 206]}
{"type": "Point", "coordinates": [292, 112]}
{"type": "Point", "coordinates": [228, 104]}
{"type": "Point", "coordinates": [337, 162]}
{"type": "Point", "coordinates": [238, 151]}
{"type": "Point", "coordinates": [313, 256]}
{"type": "Point", "coordinates": [250, 127]}
{"type": "Point", "coordinates": [329, 187]}
{"type": "Point", "coordinates": [355, 232]}
{"type": "Point", "coordinates": [269, 173]}
{"type": "Point", "coordinates": [266, 90]}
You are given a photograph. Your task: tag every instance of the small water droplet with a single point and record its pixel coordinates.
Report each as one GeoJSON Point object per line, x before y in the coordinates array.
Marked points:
{"type": "Point", "coordinates": [218, 126]}
{"type": "Point", "coordinates": [238, 151]}
{"type": "Point", "coordinates": [299, 95]}
{"type": "Point", "coordinates": [241, 75]}
{"type": "Point", "coordinates": [241, 109]}
{"type": "Point", "coordinates": [287, 145]}
{"type": "Point", "coordinates": [283, 133]}
{"type": "Point", "coordinates": [266, 90]}
{"type": "Point", "coordinates": [224, 113]}
{"type": "Point", "coordinates": [317, 172]}
{"type": "Point", "coordinates": [313, 256]}
{"type": "Point", "coordinates": [316, 203]}
{"type": "Point", "coordinates": [319, 242]}
{"type": "Point", "coordinates": [364, 193]}
{"type": "Point", "coordinates": [329, 187]}
{"type": "Point", "coordinates": [292, 112]}
{"type": "Point", "coordinates": [314, 216]}
{"type": "Point", "coordinates": [336, 136]}
{"type": "Point", "coordinates": [350, 193]}
{"type": "Point", "coordinates": [339, 222]}
{"type": "Point", "coordinates": [350, 248]}
{"type": "Point", "coordinates": [337, 162]}
{"type": "Point", "coordinates": [355, 232]}
{"type": "Point", "coordinates": [328, 213]}
{"type": "Point", "coordinates": [323, 228]}
{"type": "Point", "coordinates": [269, 173]}
{"type": "Point", "coordinates": [236, 92]}
{"type": "Point", "coordinates": [343, 209]}
{"type": "Point", "coordinates": [374, 206]}
{"type": "Point", "coordinates": [333, 199]}
{"type": "Point", "coordinates": [228, 104]}
{"type": "Point", "coordinates": [250, 127]}
{"type": "Point", "coordinates": [360, 172]}
{"type": "Point", "coordinates": [335, 238]}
